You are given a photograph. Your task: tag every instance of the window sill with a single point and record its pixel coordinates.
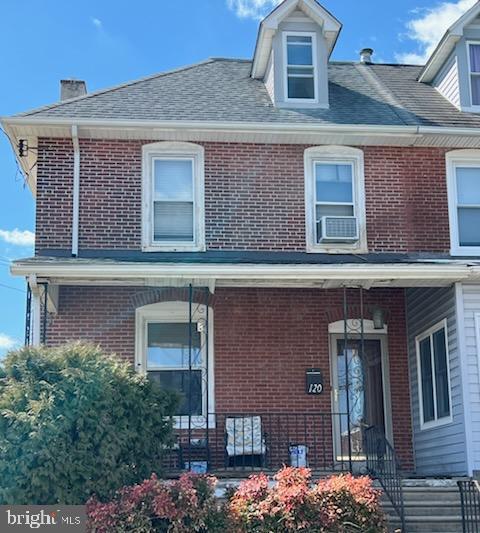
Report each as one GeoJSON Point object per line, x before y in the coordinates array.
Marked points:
{"type": "Point", "coordinates": [337, 248]}
{"type": "Point", "coordinates": [465, 251]}
{"type": "Point", "coordinates": [173, 248]}
{"type": "Point", "coordinates": [470, 109]}
{"type": "Point", "coordinates": [436, 423]}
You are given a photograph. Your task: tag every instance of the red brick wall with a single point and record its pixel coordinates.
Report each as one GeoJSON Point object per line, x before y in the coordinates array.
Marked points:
{"type": "Point", "coordinates": [254, 196]}
{"type": "Point", "coordinates": [264, 339]}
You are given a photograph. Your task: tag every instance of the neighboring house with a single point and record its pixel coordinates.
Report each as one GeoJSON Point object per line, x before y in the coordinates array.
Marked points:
{"type": "Point", "coordinates": [225, 225]}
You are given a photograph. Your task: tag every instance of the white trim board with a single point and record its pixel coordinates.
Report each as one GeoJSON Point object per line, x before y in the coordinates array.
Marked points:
{"type": "Point", "coordinates": [454, 159]}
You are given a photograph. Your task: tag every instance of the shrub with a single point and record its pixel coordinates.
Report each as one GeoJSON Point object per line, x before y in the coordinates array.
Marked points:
{"type": "Point", "coordinates": [182, 506]}
{"type": "Point", "coordinates": [74, 421]}
{"type": "Point", "coordinates": [338, 504]}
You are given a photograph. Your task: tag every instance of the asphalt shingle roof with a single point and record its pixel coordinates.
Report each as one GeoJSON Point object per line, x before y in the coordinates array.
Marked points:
{"type": "Point", "coordinates": [222, 90]}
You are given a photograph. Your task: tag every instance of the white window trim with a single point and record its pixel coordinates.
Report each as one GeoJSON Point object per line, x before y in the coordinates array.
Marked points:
{"type": "Point", "coordinates": [335, 154]}
{"type": "Point", "coordinates": [173, 150]}
{"type": "Point", "coordinates": [286, 34]}
{"type": "Point", "coordinates": [473, 107]}
{"type": "Point", "coordinates": [453, 159]}
{"type": "Point", "coordinates": [437, 422]}
{"type": "Point", "coordinates": [177, 312]}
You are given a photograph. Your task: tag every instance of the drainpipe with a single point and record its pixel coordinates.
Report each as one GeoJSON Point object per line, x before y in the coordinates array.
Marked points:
{"type": "Point", "coordinates": [76, 190]}
{"type": "Point", "coordinates": [36, 312]}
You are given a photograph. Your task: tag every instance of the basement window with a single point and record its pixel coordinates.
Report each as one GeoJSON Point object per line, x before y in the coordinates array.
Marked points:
{"type": "Point", "coordinates": [173, 218]}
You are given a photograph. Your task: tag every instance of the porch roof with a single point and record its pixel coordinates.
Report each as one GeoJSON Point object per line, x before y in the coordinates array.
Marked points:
{"type": "Point", "coordinates": [253, 268]}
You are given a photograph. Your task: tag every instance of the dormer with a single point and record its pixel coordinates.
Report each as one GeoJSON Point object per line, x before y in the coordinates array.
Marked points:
{"type": "Point", "coordinates": [291, 56]}
{"type": "Point", "coordinates": [454, 67]}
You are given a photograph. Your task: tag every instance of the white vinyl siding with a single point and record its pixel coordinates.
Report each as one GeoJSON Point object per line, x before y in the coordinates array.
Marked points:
{"type": "Point", "coordinates": [470, 296]}
{"type": "Point", "coordinates": [447, 81]}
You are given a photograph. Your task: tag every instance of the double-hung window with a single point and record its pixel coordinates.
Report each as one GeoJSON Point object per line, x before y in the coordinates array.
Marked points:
{"type": "Point", "coordinates": [300, 66]}
{"type": "Point", "coordinates": [335, 199]}
{"type": "Point", "coordinates": [463, 173]}
{"type": "Point", "coordinates": [474, 68]}
{"type": "Point", "coordinates": [172, 351]}
{"type": "Point", "coordinates": [433, 376]}
{"type": "Point", "coordinates": [173, 197]}
{"type": "Point", "coordinates": [334, 194]}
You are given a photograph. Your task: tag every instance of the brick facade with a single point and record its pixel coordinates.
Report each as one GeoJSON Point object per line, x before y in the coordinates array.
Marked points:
{"type": "Point", "coordinates": [264, 341]}
{"type": "Point", "coordinates": [254, 197]}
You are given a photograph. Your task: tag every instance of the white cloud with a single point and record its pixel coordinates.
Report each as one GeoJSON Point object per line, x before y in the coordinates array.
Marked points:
{"type": "Point", "coordinates": [97, 22]}
{"type": "Point", "coordinates": [7, 342]}
{"type": "Point", "coordinates": [254, 9]}
{"type": "Point", "coordinates": [18, 237]}
{"type": "Point", "coordinates": [428, 27]}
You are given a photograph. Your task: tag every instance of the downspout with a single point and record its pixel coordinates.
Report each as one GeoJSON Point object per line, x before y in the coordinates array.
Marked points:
{"type": "Point", "coordinates": [36, 310]}
{"type": "Point", "coordinates": [76, 190]}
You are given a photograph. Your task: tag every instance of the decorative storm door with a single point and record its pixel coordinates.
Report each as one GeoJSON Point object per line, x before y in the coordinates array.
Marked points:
{"type": "Point", "coordinates": [359, 391]}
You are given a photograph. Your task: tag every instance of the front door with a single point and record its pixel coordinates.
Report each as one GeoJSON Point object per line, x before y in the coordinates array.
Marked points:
{"type": "Point", "coordinates": [362, 374]}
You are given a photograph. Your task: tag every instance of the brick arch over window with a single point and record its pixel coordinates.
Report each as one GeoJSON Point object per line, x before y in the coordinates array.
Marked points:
{"type": "Point", "coordinates": [152, 295]}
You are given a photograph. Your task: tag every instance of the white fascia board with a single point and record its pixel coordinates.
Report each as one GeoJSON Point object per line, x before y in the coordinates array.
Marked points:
{"type": "Point", "coordinates": [434, 271]}
{"type": "Point", "coordinates": [438, 58]}
{"type": "Point", "coordinates": [207, 126]}
{"type": "Point", "coordinates": [254, 127]}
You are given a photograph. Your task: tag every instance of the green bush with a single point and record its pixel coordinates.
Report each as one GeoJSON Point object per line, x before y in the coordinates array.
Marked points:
{"type": "Point", "coordinates": [73, 422]}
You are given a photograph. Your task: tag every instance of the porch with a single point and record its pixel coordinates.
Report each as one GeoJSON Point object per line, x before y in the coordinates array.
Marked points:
{"type": "Point", "coordinates": [269, 365]}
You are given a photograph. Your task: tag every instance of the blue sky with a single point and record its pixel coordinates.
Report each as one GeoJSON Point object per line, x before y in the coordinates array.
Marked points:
{"type": "Point", "coordinates": [106, 42]}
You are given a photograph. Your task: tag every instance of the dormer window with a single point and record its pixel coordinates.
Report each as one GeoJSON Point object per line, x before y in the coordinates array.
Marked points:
{"type": "Point", "coordinates": [474, 66]}
{"type": "Point", "coordinates": [300, 66]}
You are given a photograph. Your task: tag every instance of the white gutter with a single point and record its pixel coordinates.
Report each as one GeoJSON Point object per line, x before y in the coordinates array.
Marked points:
{"type": "Point", "coordinates": [76, 190]}
{"type": "Point", "coordinates": [210, 125]}
{"type": "Point", "coordinates": [112, 269]}
{"type": "Point", "coordinates": [257, 127]}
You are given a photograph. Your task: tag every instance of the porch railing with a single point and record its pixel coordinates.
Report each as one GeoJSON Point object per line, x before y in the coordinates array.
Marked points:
{"type": "Point", "coordinates": [246, 442]}
{"type": "Point", "coordinates": [470, 500]}
{"type": "Point", "coordinates": [383, 464]}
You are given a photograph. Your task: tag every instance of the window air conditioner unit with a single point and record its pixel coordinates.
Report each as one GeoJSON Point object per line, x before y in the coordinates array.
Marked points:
{"type": "Point", "coordinates": [337, 229]}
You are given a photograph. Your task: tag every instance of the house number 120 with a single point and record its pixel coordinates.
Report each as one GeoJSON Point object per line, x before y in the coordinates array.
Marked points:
{"type": "Point", "coordinates": [314, 381]}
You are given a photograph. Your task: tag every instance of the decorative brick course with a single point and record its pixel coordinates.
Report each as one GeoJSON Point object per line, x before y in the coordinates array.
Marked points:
{"type": "Point", "coordinates": [254, 196]}
{"type": "Point", "coordinates": [264, 341]}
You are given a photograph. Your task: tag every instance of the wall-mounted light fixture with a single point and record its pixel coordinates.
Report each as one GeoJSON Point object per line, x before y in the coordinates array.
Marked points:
{"type": "Point", "coordinates": [378, 318]}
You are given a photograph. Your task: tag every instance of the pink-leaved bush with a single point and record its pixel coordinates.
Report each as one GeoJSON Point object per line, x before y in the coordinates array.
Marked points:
{"type": "Point", "coordinates": [339, 504]}
{"type": "Point", "coordinates": [288, 503]}
{"type": "Point", "coordinates": [182, 506]}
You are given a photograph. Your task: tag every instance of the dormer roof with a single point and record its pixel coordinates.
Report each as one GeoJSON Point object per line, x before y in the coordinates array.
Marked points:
{"type": "Point", "coordinates": [269, 25]}
{"type": "Point", "coordinates": [447, 44]}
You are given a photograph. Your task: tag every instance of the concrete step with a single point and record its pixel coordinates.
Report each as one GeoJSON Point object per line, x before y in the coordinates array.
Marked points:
{"type": "Point", "coordinates": [426, 508]}
{"type": "Point", "coordinates": [429, 524]}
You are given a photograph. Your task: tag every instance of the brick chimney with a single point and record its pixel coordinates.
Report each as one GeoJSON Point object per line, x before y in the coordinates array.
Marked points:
{"type": "Point", "coordinates": [72, 89]}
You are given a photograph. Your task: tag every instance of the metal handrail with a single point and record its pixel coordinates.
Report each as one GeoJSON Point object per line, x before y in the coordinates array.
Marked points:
{"type": "Point", "coordinates": [383, 464]}
{"type": "Point", "coordinates": [470, 500]}
{"type": "Point", "coordinates": [258, 440]}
